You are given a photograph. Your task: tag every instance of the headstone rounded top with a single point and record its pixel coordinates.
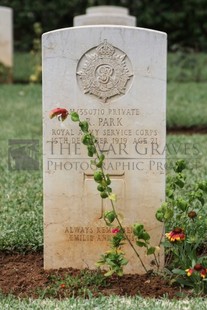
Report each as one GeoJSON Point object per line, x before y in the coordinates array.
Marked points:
{"type": "Point", "coordinates": [105, 15]}
{"type": "Point", "coordinates": [6, 42]}
{"type": "Point", "coordinates": [5, 8]}
{"type": "Point", "coordinates": [111, 9]}
{"type": "Point", "coordinates": [104, 19]}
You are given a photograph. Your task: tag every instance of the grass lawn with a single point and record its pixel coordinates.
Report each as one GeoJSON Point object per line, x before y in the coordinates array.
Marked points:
{"type": "Point", "coordinates": [106, 303]}
{"type": "Point", "coordinates": [187, 105]}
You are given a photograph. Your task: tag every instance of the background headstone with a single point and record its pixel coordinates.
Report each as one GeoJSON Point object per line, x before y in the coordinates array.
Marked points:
{"type": "Point", "coordinates": [6, 44]}
{"type": "Point", "coordinates": [115, 77]}
{"type": "Point", "coordinates": [105, 15]}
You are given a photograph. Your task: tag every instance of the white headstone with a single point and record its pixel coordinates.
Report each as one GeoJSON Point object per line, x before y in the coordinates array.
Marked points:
{"type": "Point", "coordinates": [115, 77]}
{"type": "Point", "coordinates": [105, 15]}
{"type": "Point", "coordinates": [6, 42]}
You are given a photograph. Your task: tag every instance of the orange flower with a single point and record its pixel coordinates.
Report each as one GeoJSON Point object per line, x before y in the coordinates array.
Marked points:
{"type": "Point", "coordinates": [176, 234]}
{"type": "Point", "coordinates": [199, 268]}
{"type": "Point", "coordinates": [189, 271]}
{"type": "Point", "coordinates": [62, 285]}
{"type": "Point", "coordinates": [61, 113]}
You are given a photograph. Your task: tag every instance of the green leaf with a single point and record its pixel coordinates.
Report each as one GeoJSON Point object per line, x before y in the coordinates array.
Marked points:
{"type": "Point", "coordinates": [109, 216]}
{"type": "Point", "coordinates": [98, 176]}
{"type": "Point", "coordinates": [109, 273]}
{"type": "Point", "coordinates": [87, 139]}
{"type": "Point", "coordinates": [168, 214]}
{"type": "Point", "coordinates": [137, 229]}
{"type": "Point", "coordinates": [104, 195]}
{"type": "Point", "coordinates": [145, 236]}
{"type": "Point", "coordinates": [84, 126]}
{"type": "Point", "coordinates": [100, 188]}
{"type": "Point", "coordinates": [182, 204]}
{"type": "Point", "coordinates": [180, 180]}
{"type": "Point", "coordinates": [124, 261]}
{"type": "Point", "coordinates": [91, 150]}
{"type": "Point", "coordinates": [202, 185]}
{"type": "Point", "coordinates": [74, 117]}
{"type": "Point", "coordinates": [100, 263]}
{"type": "Point", "coordinates": [179, 271]}
{"type": "Point", "coordinates": [99, 164]}
{"type": "Point", "coordinates": [141, 244]}
{"type": "Point", "coordinates": [170, 193]}
{"type": "Point", "coordinates": [180, 165]}
{"type": "Point", "coordinates": [108, 181]}
{"type": "Point", "coordinates": [120, 273]}
{"type": "Point", "coordinates": [102, 157]}
{"type": "Point", "coordinates": [151, 251]}
{"type": "Point", "coordinates": [160, 215]}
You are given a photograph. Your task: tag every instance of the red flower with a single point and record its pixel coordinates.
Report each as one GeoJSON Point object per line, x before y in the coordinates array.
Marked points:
{"type": "Point", "coordinates": [203, 273]}
{"type": "Point", "coordinates": [62, 285]}
{"type": "Point", "coordinates": [176, 234]}
{"type": "Point", "coordinates": [199, 268]}
{"type": "Point", "coordinates": [61, 113]}
{"type": "Point", "coordinates": [115, 230]}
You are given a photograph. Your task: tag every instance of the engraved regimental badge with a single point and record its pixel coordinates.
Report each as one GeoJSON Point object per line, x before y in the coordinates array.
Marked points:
{"type": "Point", "coordinates": [105, 72]}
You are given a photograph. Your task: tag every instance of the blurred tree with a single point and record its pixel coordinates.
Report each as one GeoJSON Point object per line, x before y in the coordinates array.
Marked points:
{"type": "Point", "coordinates": [185, 21]}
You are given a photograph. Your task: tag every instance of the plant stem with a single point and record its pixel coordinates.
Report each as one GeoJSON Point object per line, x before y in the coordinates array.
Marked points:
{"type": "Point", "coordinates": [97, 149]}
{"type": "Point", "coordinates": [127, 238]}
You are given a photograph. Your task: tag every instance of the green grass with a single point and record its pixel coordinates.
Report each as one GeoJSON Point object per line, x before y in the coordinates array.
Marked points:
{"type": "Point", "coordinates": [84, 285]}
{"type": "Point", "coordinates": [24, 64]}
{"type": "Point", "coordinates": [20, 117]}
{"type": "Point", "coordinates": [21, 222]}
{"type": "Point", "coordinates": [191, 67]}
{"type": "Point", "coordinates": [187, 105]}
{"type": "Point", "coordinates": [102, 303]}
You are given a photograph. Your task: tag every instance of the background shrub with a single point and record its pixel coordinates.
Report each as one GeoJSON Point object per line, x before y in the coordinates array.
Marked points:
{"type": "Point", "coordinates": [185, 21]}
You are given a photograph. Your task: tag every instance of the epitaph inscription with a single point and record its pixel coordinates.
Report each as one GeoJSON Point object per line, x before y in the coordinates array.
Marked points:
{"type": "Point", "coordinates": [105, 72]}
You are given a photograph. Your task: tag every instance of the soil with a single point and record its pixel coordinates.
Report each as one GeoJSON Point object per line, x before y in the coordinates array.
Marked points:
{"type": "Point", "coordinates": [24, 276]}
{"type": "Point", "coordinates": [187, 130]}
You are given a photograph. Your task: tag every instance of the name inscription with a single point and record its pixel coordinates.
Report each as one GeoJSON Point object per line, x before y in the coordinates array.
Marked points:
{"type": "Point", "coordinates": [120, 136]}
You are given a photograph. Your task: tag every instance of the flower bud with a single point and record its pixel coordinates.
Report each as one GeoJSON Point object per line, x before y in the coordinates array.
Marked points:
{"type": "Point", "coordinates": [192, 214]}
{"type": "Point", "coordinates": [198, 267]}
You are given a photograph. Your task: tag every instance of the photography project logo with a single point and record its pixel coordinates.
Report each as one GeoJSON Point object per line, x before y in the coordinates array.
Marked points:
{"type": "Point", "coordinates": [68, 156]}
{"type": "Point", "coordinates": [23, 154]}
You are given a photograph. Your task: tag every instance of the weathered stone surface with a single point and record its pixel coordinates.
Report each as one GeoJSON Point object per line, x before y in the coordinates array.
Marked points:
{"type": "Point", "coordinates": [105, 15]}
{"type": "Point", "coordinates": [6, 44]}
{"type": "Point", "coordinates": [115, 77]}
